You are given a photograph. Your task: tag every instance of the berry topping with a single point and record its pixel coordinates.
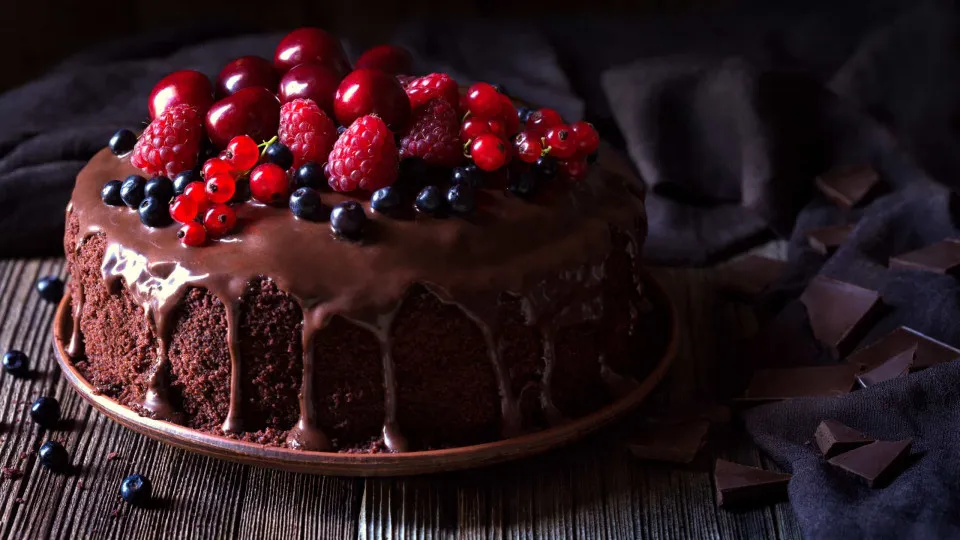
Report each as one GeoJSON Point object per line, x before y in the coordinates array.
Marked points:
{"type": "Point", "coordinates": [182, 180]}
{"type": "Point", "coordinates": [50, 288]}
{"type": "Point", "coordinates": [268, 184]}
{"type": "Point", "coordinates": [245, 72]}
{"type": "Point", "coordinates": [483, 100]}
{"type": "Point", "coordinates": [429, 200]}
{"type": "Point", "coordinates": [252, 111]}
{"type": "Point", "coordinates": [369, 91]}
{"type": "Point", "coordinates": [159, 187]}
{"type": "Point", "coordinates": [528, 149]}
{"type": "Point", "coordinates": [497, 128]}
{"type": "Point", "coordinates": [307, 131]}
{"type": "Point", "coordinates": [499, 88]}
{"type": "Point", "coordinates": [136, 489]}
{"type": "Point", "coordinates": [53, 456]}
{"type": "Point", "coordinates": [524, 183]}
{"type": "Point", "coordinates": [364, 157]}
{"type": "Point", "coordinates": [461, 198]}
{"type": "Point", "coordinates": [433, 86]}
{"type": "Point", "coordinates": [523, 114]}
{"type": "Point", "coordinates": [215, 166]}
{"type": "Point", "coordinates": [385, 200]}
{"type": "Point", "coordinates": [433, 135]}
{"type": "Point", "coordinates": [560, 142]}
{"type": "Point", "coordinates": [170, 143]}
{"type": "Point", "coordinates": [311, 81]}
{"type": "Point", "coordinates": [390, 59]}
{"type": "Point", "coordinates": [310, 175]}
{"type": "Point", "coordinates": [242, 153]}
{"type": "Point", "coordinates": [508, 114]}
{"type": "Point", "coordinates": [154, 213]}
{"type": "Point", "coordinates": [586, 138]}
{"type": "Point", "coordinates": [545, 169]}
{"type": "Point", "coordinates": [278, 154]}
{"type": "Point", "coordinates": [192, 234]}
{"type": "Point", "coordinates": [242, 193]}
{"type": "Point", "coordinates": [310, 45]}
{"type": "Point", "coordinates": [340, 130]}
{"type": "Point", "coordinates": [45, 411]}
{"type": "Point", "coordinates": [16, 363]}
{"type": "Point", "coordinates": [187, 87]}
{"type": "Point", "coordinates": [348, 220]}
{"type": "Point", "coordinates": [183, 209]}
{"type": "Point", "coordinates": [305, 204]}
{"type": "Point", "coordinates": [592, 157]}
{"type": "Point", "coordinates": [122, 142]}
{"type": "Point", "coordinates": [219, 220]}
{"type": "Point", "coordinates": [543, 119]}
{"type": "Point", "coordinates": [111, 193]}
{"type": "Point", "coordinates": [574, 169]}
{"type": "Point", "coordinates": [197, 191]}
{"type": "Point", "coordinates": [472, 128]}
{"type": "Point", "coordinates": [469, 175]}
{"type": "Point", "coordinates": [489, 152]}
{"type": "Point", "coordinates": [131, 191]}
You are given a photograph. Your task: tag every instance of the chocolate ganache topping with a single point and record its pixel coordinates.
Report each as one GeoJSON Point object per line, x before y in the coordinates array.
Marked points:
{"type": "Point", "coordinates": [549, 251]}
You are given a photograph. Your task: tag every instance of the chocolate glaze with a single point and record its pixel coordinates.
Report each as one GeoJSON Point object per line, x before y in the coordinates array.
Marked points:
{"type": "Point", "coordinates": [549, 252]}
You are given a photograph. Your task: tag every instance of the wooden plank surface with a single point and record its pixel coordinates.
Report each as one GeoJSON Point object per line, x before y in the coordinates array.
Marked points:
{"type": "Point", "coordinates": [592, 489]}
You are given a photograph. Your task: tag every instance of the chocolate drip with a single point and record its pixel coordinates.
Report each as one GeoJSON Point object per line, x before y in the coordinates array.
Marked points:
{"type": "Point", "coordinates": [74, 348]}
{"type": "Point", "coordinates": [234, 421]}
{"type": "Point", "coordinates": [307, 435]}
{"type": "Point", "coordinates": [380, 326]}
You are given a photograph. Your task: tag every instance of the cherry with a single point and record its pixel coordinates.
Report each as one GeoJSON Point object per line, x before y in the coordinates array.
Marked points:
{"type": "Point", "coordinates": [252, 111]}
{"type": "Point", "coordinates": [245, 72]}
{"type": "Point", "coordinates": [192, 234]}
{"type": "Point", "coordinates": [219, 219]}
{"type": "Point", "coordinates": [472, 128]}
{"type": "Point", "coordinates": [574, 169]}
{"type": "Point", "coordinates": [529, 149]}
{"type": "Point", "coordinates": [390, 59]}
{"type": "Point", "coordinates": [311, 81]}
{"type": "Point", "coordinates": [181, 87]}
{"type": "Point", "coordinates": [215, 166]}
{"type": "Point", "coordinates": [310, 45]}
{"type": "Point", "coordinates": [268, 184]}
{"type": "Point", "coordinates": [543, 119]}
{"type": "Point", "coordinates": [220, 188]}
{"type": "Point", "coordinates": [489, 152]}
{"type": "Point", "coordinates": [368, 91]}
{"type": "Point", "coordinates": [483, 100]}
{"type": "Point", "coordinates": [586, 137]}
{"type": "Point", "coordinates": [243, 153]}
{"type": "Point", "coordinates": [561, 142]}
{"type": "Point", "coordinates": [183, 209]}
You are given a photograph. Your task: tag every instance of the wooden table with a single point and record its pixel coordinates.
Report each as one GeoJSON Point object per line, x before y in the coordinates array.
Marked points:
{"type": "Point", "coordinates": [593, 489]}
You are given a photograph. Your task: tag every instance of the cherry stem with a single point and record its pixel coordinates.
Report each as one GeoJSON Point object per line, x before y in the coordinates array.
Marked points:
{"type": "Point", "coordinates": [266, 144]}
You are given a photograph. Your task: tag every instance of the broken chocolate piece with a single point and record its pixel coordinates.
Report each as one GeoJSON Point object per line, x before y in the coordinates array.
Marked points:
{"type": "Point", "coordinates": [739, 484]}
{"type": "Point", "coordinates": [748, 276]}
{"type": "Point", "coordinates": [825, 240]}
{"type": "Point", "coordinates": [848, 186]}
{"type": "Point", "coordinates": [929, 351]}
{"type": "Point", "coordinates": [876, 463]}
{"type": "Point", "coordinates": [786, 383]}
{"type": "Point", "coordinates": [840, 313]}
{"type": "Point", "coordinates": [676, 443]}
{"type": "Point", "coordinates": [940, 258]}
{"type": "Point", "coordinates": [834, 438]}
{"type": "Point", "coordinates": [898, 366]}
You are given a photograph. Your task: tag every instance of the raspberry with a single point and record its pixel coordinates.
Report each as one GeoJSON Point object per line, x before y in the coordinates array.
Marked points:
{"type": "Point", "coordinates": [434, 135]}
{"type": "Point", "coordinates": [433, 86]}
{"type": "Point", "coordinates": [307, 131]}
{"type": "Point", "coordinates": [364, 157]}
{"type": "Point", "coordinates": [170, 143]}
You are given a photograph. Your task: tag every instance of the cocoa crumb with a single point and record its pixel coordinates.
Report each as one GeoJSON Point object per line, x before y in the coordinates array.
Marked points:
{"type": "Point", "coordinates": [79, 484]}
{"type": "Point", "coordinates": [115, 512]}
{"type": "Point", "coordinates": [11, 473]}
{"type": "Point", "coordinates": [112, 456]}
{"type": "Point", "coordinates": [19, 500]}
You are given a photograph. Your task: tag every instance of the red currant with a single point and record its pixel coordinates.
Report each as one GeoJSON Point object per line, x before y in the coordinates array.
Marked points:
{"type": "Point", "coordinates": [586, 137]}
{"type": "Point", "coordinates": [243, 153]}
{"type": "Point", "coordinates": [198, 193]}
{"type": "Point", "coordinates": [268, 184]}
{"type": "Point", "coordinates": [220, 188]}
{"type": "Point", "coordinates": [219, 220]}
{"type": "Point", "coordinates": [215, 166]}
{"type": "Point", "coordinates": [472, 128]}
{"type": "Point", "coordinates": [529, 149]}
{"type": "Point", "coordinates": [489, 152]}
{"type": "Point", "coordinates": [542, 120]}
{"type": "Point", "coordinates": [508, 113]}
{"type": "Point", "coordinates": [560, 142]}
{"type": "Point", "coordinates": [192, 234]}
{"type": "Point", "coordinates": [483, 100]}
{"type": "Point", "coordinates": [183, 209]}
{"type": "Point", "coordinates": [574, 169]}
{"type": "Point", "coordinates": [496, 127]}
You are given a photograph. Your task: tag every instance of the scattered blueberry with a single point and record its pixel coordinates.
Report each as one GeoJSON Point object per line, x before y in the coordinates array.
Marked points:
{"type": "Point", "coordinates": [310, 175]}
{"type": "Point", "coordinates": [278, 154]}
{"type": "Point", "coordinates": [185, 178]}
{"type": "Point", "coordinates": [122, 142]}
{"type": "Point", "coordinates": [499, 88]}
{"type": "Point", "coordinates": [592, 157]}
{"type": "Point", "coordinates": [470, 175]}
{"type": "Point", "coordinates": [111, 193]}
{"type": "Point", "coordinates": [385, 200]}
{"type": "Point", "coordinates": [429, 200]}
{"type": "Point", "coordinates": [461, 199]}
{"type": "Point", "coordinates": [348, 220]}
{"type": "Point", "coordinates": [154, 213]}
{"type": "Point", "coordinates": [545, 169]}
{"type": "Point", "coordinates": [136, 489]}
{"type": "Point", "coordinates": [242, 193]}
{"type": "Point", "coordinates": [53, 456]}
{"type": "Point", "coordinates": [305, 204]}
{"type": "Point", "coordinates": [50, 288]}
{"type": "Point", "coordinates": [523, 113]}
{"type": "Point", "coordinates": [16, 363]}
{"type": "Point", "coordinates": [523, 184]}
{"type": "Point", "coordinates": [160, 188]}
{"type": "Point", "coordinates": [340, 130]}
{"type": "Point", "coordinates": [132, 190]}
{"type": "Point", "coordinates": [46, 411]}
{"type": "Point", "coordinates": [207, 150]}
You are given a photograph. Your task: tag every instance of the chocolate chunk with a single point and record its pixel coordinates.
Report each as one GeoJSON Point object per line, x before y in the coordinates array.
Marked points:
{"type": "Point", "coordinates": [839, 312]}
{"type": "Point", "coordinates": [897, 366]}
{"type": "Point", "coordinates": [740, 485]}
{"type": "Point", "coordinates": [929, 351]}
{"type": "Point", "coordinates": [826, 240]}
{"type": "Point", "coordinates": [676, 443]}
{"type": "Point", "coordinates": [748, 276]}
{"type": "Point", "coordinates": [786, 383]}
{"type": "Point", "coordinates": [848, 186]}
{"type": "Point", "coordinates": [835, 438]}
{"type": "Point", "coordinates": [875, 463]}
{"type": "Point", "coordinates": [940, 258]}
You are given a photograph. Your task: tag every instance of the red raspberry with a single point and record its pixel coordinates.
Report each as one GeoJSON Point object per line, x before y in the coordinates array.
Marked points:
{"type": "Point", "coordinates": [433, 86]}
{"type": "Point", "coordinates": [434, 135]}
{"type": "Point", "coordinates": [307, 131]}
{"type": "Point", "coordinates": [170, 143]}
{"type": "Point", "coordinates": [364, 157]}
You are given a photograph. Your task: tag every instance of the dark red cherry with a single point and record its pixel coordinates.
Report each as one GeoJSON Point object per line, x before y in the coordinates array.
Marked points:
{"type": "Point", "coordinates": [391, 59]}
{"type": "Point", "coordinates": [310, 45]}
{"type": "Point", "coordinates": [187, 86]}
{"type": "Point", "coordinates": [245, 72]}
{"type": "Point", "coordinates": [251, 111]}
{"type": "Point", "coordinates": [310, 81]}
{"type": "Point", "coordinates": [371, 91]}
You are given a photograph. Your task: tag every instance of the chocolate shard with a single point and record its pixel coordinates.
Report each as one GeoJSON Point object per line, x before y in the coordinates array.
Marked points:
{"type": "Point", "coordinates": [929, 351]}
{"type": "Point", "coordinates": [834, 438]}
{"type": "Point", "coordinates": [877, 463]}
{"type": "Point", "coordinates": [749, 276]}
{"type": "Point", "coordinates": [848, 186]}
{"type": "Point", "coordinates": [825, 240]}
{"type": "Point", "coordinates": [942, 257]}
{"type": "Point", "coordinates": [743, 485]}
{"type": "Point", "coordinates": [840, 313]}
{"type": "Point", "coordinates": [897, 366]}
{"type": "Point", "coordinates": [786, 383]}
{"type": "Point", "coordinates": [676, 443]}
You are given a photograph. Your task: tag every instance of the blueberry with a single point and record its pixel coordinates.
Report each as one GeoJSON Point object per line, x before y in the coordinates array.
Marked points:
{"type": "Point", "coordinates": [242, 193]}
{"type": "Point", "coordinates": [160, 188]}
{"type": "Point", "coordinates": [278, 154]}
{"type": "Point", "coordinates": [122, 142]}
{"type": "Point", "coordinates": [523, 113]}
{"type": "Point", "coordinates": [305, 204]}
{"type": "Point", "coordinates": [545, 169]}
{"type": "Point", "coordinates": [348, 220]}
{"type": "Point", "coordinates": [340, 130]}
{"type": "Point", "coordinates": [154, 213]}
{"type": "Point", "coordinates": [429, 200]}
{"type": "Point", "coordinates": [132, 190]}
{"type": "Point", "coordinates": [499, 88]}
{"type": "Point", "coordinates": [310, 175]}
{"type": "Point", "coordinates": [469, 175]}
{"type": "Point", "coordinates": [111, 193]}
{"type": "Point", "coordinates": [46, 411]}
{"type": "Point", "coordinates": [207, 150]}
{"type": "Point", "coordinates": [461, 199]}
{"type": "Point", "coordinates": [136, 489]}
{"type": "Point", "coordinates": [592, 157]}
{"type": "Point", "coordinates": [523, 184]}
{"type": "Point", "coordinates": [50, 288]}
{"type": "Point", "coordinates": [185, 178]}
{"type": "Point", "coordinates": [385, 200]}
{"type": "Point", "coordinates": [16, 363]}
{"type": "Point", "coordinates": [53, 456]}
